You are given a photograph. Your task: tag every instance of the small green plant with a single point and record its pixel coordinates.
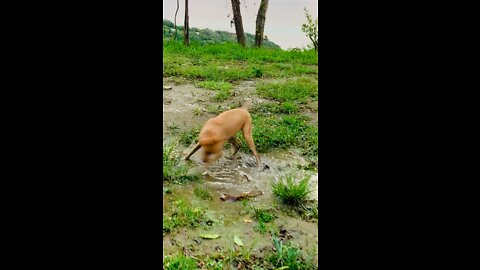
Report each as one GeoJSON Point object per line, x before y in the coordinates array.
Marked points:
{"type": "Point", "coordinates": [202, 193]}
{"type": "Point", "coordinates": [190, 136]}
{"type": "Point", "coordinates": [289, 192]}
{"type": "Point", "coordinates": [173, 168]}
{"type": "Point", "coordinates": [257, 72]}
{"type": "Point", "coordinates": [182, 214]}
{"type": "Point", "coordinates": [179, 261]}
{"type": "Point", "coordinates": [264, 218]}
{"type": "Point", "coordinates": [198, 111]}
{"type": "Point", "coordinates": [222, 95]}
{"type": "Point", "coordinates": [288, 257]}
{"type": "Point", "coordinates": [289, 108]}
{"type": "Point", "coordinates": [173, 126]}
{"type": "Point", "coordinates": [263, 215]}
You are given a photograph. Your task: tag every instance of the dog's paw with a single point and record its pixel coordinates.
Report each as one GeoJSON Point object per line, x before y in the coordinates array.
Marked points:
{"type": "Point", "coordinates": [264, 167]}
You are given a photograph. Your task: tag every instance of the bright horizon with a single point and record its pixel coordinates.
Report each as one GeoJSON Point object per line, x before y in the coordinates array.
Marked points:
{"type": "Point", "coordinates": [216, 15]}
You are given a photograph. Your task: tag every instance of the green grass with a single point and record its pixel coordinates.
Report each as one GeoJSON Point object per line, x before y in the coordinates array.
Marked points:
{"type": "Point", "coordinates": [229, 62]}
{"type": "Point", "coordinates": [283, 256]}
{"type": "Point", "coordinates": [290, 192]}
{"type": "Point", "coordinates": [263, 215]}
{"type": "Point", "coordinates": [179, 261]}
{"type": "Point", "coordinates": [288, 256]}
{"type": "Point", "coordinates": [174, 169]}
{"type": "Point", "coordinates": [269, 108]}
{"type": "Point", "coordinates": [214, 85]}
{"type": "Point", "coordinates": [285, 132]}
{"type": "Point", "coordinates": [182, 214]}
{"type": "Point", "coordinates": [222, 95]}
{"type": "Point", "coordinates": [264, 218]}
{"type": "Point", "coordinates": [189, 136]}
{"type": "Point", "coordinates": [299, 90]}
{"type": "Point", "coordinates": [202, 193]}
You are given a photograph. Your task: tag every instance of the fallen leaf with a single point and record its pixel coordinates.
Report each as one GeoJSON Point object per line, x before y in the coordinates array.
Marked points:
{"type": "Point", "coordinates": [209, 236]}
{"type": "Point", "coordinates": [247, 221]}
{"type": "Point", "coordinates": [238, 241]}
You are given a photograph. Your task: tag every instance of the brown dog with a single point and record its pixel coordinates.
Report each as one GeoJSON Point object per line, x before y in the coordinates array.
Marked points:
{"type": "Point", "coordinates": [217, 131]}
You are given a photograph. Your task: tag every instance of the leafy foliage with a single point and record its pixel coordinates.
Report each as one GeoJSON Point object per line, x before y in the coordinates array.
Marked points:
{"type": "Point", "coordinates": [311, 29]}
{"type": "Point", "coordinates": [208, 36]}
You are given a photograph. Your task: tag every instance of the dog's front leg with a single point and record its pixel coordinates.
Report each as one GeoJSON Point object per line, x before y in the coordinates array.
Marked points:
{"type": "Point", "coordinates": [236, 146]}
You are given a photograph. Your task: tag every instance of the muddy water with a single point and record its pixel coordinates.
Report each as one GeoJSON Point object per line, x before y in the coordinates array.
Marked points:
{"type": "Point", "coordinates": [234, 177]}
{"type": "Point", "coordinates": [242, 175]}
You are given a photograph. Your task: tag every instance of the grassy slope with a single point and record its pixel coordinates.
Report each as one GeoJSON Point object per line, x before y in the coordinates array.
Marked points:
{"type": "Point", "coordinates": [207, 36]}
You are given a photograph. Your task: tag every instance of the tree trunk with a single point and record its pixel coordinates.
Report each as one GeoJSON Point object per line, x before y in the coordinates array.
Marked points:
{"type": "Point", "coordinates": [175, 38]}
{"type": "Point", "coordinates": [186, 27]}
{"type": "Point", "coordinates": [260, 24]}
{"type": "Point", "coordinates": [237, 18]}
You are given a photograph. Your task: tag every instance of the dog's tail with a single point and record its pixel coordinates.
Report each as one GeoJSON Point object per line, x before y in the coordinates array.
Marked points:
{"type": "Point", "coordinates": [247, 105]}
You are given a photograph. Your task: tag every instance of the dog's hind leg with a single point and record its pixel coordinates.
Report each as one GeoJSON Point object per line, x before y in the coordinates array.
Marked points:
{"type": "Point", "coordinates": [247, 134]}
{"type": "Point", "coordinates": [195, 149]}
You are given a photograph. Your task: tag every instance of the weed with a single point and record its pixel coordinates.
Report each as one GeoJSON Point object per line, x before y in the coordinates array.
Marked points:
{"type": "Point", "coordinates": [257, 72]}
{"type": "Point", "coordinates": [182, 214]}
{"type": "Point", "coordinates": [173, 169]}
{"type": "Point", "coordinates": [202, 193]}
{"type": "Point", "coordinates": [222, 95]}
{"type": "Point", "coordinates": [197, 111]}
{"type": "Point", "coordinates": [287, 255]}
{"type": "Point", "coordinates": [289, 192]}
{"type": "Point", "coordinates": [263, 215]}
{"type": "Point", "coordinates": [190, 136]}
{"type": "Point", "coordinates": [179, 261]}
{"type": "Point", "coordinates": [173, 126]}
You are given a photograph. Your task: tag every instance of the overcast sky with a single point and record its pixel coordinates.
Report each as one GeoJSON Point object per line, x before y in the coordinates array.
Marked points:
{"type": "Point", "coordinates": [282, 26]}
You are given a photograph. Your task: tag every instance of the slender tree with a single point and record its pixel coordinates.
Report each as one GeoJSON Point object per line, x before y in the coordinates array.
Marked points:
{"type": "Point", "coordinates": [176, 21]}
{"type": "Point", "coordinates": [260, 23]}
{"type": "Point", "coordinates": [186, 27]}
{"type": "Point", "coordinates": [311, 29]}
{"type": "Point", "coordinates": [237, 18]}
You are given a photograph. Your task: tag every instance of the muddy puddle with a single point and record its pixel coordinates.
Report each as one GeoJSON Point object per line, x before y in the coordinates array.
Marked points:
{"type": "Point", "coordinates": [233, 177]}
